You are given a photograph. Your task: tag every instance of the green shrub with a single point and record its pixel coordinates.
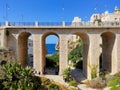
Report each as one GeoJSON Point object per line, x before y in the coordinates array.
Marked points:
{"type": "Point", "coordinates": [76, 54]}
{"type": "Point", "coordinates": [68, 78]}
{"type": "Point", "coordinates": [16, 77]}
{"type": "Point", "coordinates": [114, 82]}
{"type": "Point", "coordinates": [102, 74]}
{"type": "Point", "coordinates": [45, 81]}
{"type": "Point", "coordinates": [67, 75]}
{"type": "Point", "coordinates": [53, 60]}
{"type": "Point", "coordinates": [53, 86]}
{"type": "Point", "coordinates": [94, 71]}
{"type": "Point", "coordinates": [72, 83]}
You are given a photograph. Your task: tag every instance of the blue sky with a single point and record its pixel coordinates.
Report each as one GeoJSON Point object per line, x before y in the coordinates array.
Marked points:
{"type": "Point", "coordinates": [52, 10]}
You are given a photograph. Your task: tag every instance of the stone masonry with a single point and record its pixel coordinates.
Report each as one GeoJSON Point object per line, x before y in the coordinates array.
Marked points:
{"type": "Point", "coordinates": [96, 40]}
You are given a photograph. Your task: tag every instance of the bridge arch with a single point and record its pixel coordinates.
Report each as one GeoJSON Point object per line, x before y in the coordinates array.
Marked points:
{"type": "Point", "coordinates": [85, 50]}
{"type": "Point", "coordinates": [44, 36]}
{"type": "Point", "coordinates": [108, 41]}
{"type": "Point", "coordinates": [23, 48]}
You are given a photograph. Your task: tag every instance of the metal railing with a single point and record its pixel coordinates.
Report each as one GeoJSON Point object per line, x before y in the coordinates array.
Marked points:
{"type": "Point", "coordinates": [21, 24]}
{"type": "Point", "coordinates": [61, 24]}
{"type": "Point", "coordinates": [49, 23]}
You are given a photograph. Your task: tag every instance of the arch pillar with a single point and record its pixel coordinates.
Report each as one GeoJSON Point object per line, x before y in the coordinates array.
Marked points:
{"type": "Point", "coordinates": [94, 53]}
{"type": "Point", "coordinates": [114, 58]}
{"type": "Point", "coordinates": [4, 39]}
{"type": "Point", "coordinates": [37, 53]}
{"type": "Point", "coordinates": [117, 48]}
{"type": "Point", "coordinates": [16, 47]}
{"type": "Point", "coordinates": [109, 52]}
{"type": "Point", "coordinates": [63, 51]}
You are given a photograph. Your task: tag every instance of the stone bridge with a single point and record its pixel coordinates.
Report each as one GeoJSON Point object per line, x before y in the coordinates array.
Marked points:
{"type": "Point", "coordinates": [98, 39]}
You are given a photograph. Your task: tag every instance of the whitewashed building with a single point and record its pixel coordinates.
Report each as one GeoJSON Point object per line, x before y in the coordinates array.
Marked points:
{"type": "Point", "coordinates": [106, 16]}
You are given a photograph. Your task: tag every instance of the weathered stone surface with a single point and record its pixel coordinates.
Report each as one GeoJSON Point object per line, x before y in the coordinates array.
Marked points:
{"type": "Point", "coordinates": [93, 38]}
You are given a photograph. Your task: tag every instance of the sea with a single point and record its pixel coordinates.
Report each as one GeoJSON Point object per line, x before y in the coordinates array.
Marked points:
{"type": "Point", "coordinates": [50, 48]}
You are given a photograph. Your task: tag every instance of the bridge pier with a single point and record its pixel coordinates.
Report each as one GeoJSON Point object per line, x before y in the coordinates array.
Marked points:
{"type": "Point", "coordinates": [93, 56]}
{"type": "Point", "coordinates": [4, 39]}
{"type": "Point", "coordinates": [37, 53]}
{"type": "Point", "coordinates": [63, 52]}
{"type": "Point", "coordinates": [118, 52]}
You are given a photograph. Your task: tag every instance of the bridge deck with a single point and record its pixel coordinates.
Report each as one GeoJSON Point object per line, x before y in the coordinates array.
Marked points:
{"type": "Point", "coordinates": [60, 25]}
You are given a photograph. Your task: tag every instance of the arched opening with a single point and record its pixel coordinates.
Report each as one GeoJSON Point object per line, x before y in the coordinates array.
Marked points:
{"type": "Point", "coordinates": [50, 53]}
{"type": "Point", "coordinates": [30, 51]}
{"type": "Point", "coordinates": [78, 47]}
{"type": "Point", "coordinates": [108, 39]}
{"type": "Point", "coordinates": [24, 44]}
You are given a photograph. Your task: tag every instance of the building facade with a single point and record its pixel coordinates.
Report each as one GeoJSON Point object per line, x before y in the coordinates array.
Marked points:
{"type": "Point", "coordinates": [106, 16]}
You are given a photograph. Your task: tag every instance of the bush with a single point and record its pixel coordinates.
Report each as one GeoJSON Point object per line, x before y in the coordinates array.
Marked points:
{"type": "Point", "coordinates": [53, 86]}
{"type": "Point", "coordinates": [93, 71]}
{"type": "Point", "coordinates": [72, 83]}
{"type": "Point", "coordinates": [45, 81]}
{"type": "Point", "coordinates": [68, 78]}
{"type": "Point", "coordinates": [67, 75]}
{"type": "Point", "coordinates": [76, 54]}
{"type": "Point", "coordinates": [96, 83]}
{"type": "Point", "coordinates": [16, 77]}
{"type": "Point", "coordinates": [114, 82]}
{"type": "Point", "coordinates": [53, 60]}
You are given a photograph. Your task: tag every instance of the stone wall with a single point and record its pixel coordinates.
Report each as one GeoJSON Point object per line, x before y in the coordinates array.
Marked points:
{"type": "Point", "coordinates": [6, 55]}
{"type": "Point", "coordinates": [91, 37]}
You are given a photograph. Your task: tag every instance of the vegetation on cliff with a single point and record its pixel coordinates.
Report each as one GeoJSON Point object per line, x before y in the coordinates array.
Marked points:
{"type": "Point", "coordinates": [74, 55]}
{"type": "Point", "coordinates": [13, 76]}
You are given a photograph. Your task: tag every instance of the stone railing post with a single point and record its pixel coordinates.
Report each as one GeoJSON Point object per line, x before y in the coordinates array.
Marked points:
{"type": "Point", "coordinates": [36, 24]}
{"type": "Point", "coordinates": [6, 23]}
{"type": "Point", "coordinates": [63, 23]}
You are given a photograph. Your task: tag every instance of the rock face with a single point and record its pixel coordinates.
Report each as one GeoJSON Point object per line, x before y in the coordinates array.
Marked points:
{"type": "Point", "coordinates": [6, 55]}
{"type": "Point", "coordinates": [57, 46]}
{"type": "Point", "coordinates": [71, 45]}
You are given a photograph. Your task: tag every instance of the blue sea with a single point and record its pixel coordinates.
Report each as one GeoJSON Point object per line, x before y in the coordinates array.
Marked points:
{"type": "Point", "coordinates": [50, 48]}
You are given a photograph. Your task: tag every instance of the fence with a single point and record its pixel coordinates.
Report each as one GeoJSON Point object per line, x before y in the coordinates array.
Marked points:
{"type": "Point", "coordinates": [61, 24]}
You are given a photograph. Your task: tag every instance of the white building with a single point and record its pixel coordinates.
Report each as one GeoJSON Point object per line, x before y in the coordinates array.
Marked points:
{"type": "Point", "coordinates": [107, 17]}
{"type": "Point", "coordinates": [112, 17]}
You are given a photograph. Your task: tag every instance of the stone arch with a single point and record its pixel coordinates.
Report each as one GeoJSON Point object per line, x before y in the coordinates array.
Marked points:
{"type": "Point", "coordinates": [23, 48]}
{"type": "Point", "coordinates": [85, 50]}
{"type": "Point", "coordinates": [44, 48]}
{"type": "Point", "coordinates": [108, 40]}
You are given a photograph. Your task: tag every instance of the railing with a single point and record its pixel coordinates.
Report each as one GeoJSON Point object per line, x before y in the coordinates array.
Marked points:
{"type": "Point", "coordinates": [50, 24]}
{"type": "Point", "coordinates": [61, 24]}
{"type": "Point", "coordinates": [21, 24]}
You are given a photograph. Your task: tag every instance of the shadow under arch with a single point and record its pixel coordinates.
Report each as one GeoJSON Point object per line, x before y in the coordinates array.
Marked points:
{"type": "Point", "coordinates": [23, 48]}
{"type": "Point", "coordinates": [108, 40]}
{"type": "Point", "coordinates": [85, 50]}
{"type": "Point", "coordinates": [44, 47]}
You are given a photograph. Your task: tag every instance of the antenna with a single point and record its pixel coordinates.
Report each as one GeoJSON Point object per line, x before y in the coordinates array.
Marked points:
{"type": "Point", "coordinates": [7, 8]}
{"type": "Point", "coordinates": [63, 12]}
